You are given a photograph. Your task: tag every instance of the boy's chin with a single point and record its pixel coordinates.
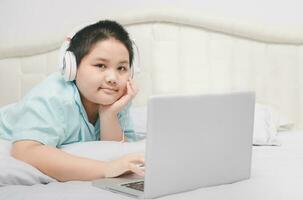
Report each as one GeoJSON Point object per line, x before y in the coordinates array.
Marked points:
{"type": "Point", "coordinates": [107, 102]}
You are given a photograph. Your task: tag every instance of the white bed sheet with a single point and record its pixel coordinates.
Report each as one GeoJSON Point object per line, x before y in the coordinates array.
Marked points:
{"type": "Point", "coordinates": [277, 174]}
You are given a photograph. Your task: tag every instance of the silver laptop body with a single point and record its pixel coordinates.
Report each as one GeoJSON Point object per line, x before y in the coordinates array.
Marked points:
{"type": "Point", "coordinates": [193, 141]}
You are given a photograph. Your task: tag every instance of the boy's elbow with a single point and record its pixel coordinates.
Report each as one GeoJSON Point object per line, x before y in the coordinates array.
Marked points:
{"type": "Point", "coordinates": [20, 149]}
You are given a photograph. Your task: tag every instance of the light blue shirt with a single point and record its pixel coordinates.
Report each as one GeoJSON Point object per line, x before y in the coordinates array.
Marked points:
{"type": "Point", "coordinates": [52, 114]}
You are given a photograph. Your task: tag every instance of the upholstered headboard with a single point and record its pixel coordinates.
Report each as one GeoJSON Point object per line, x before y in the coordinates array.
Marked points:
{"type": "Point", "coordinates": [181, 51]}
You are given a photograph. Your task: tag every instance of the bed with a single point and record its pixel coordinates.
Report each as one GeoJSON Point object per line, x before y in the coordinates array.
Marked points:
{"type": "Point", "coordinates": [276, 174]}
{"type": "Point", "coordinates": [181, 51]}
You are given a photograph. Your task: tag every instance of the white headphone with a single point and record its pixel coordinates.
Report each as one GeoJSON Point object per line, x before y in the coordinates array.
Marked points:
{"type": "Point", "coordinates": [68, 63]}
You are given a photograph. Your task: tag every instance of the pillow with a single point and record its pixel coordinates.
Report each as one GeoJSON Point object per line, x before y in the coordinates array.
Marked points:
{"type": "Point", "coordinates": [269, 121]}
{"type": "Point", "coordinates": [266, 123]}
{"type": "Point", "coordinates": [15, 172]}
{"type": "Point", "coordinates": [265, 131]}
{"type": "Point", "coordinates": [139, 116]}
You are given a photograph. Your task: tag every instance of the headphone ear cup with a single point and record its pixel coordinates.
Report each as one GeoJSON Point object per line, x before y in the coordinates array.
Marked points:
{"type": "Point", "coordinates": [132, 71]}
{"type": "Point", "coordinates": [135, 69]}
{"type": "Point", "coordinates": [69, 66]}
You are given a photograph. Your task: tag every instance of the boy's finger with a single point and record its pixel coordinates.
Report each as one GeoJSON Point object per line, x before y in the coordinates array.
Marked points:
{"type": "Point", "coordinates": [134, 168]}
{"type": "Point", "coordinates": [136, 157]}
{"type": "Point", "coordinates": [133, 87]}
{"type": "Point", "coordinates": [130, 90]}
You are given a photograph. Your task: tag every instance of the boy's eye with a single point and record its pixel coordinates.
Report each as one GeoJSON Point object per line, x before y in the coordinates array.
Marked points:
{"type": "Point", "coordinates": [122, 68]}
{"type": "Point", "coordinates": [102, 66]}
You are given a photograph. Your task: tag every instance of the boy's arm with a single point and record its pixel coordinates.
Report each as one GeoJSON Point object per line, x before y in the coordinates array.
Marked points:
{"type": "Point", "coordinates": [57, 163]}
{"type": "Point", "coordinates": [111, 129]}
{"type": "Point", "coordinates": [65, 167]}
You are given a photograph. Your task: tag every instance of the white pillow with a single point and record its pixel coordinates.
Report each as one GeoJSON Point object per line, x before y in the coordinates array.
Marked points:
{"type": "Point", "coordinates": [139, 116]}
{"type": "Point", "coordinates": [265, 131]}
{"type": "Point", "coordinates": [15, 172]}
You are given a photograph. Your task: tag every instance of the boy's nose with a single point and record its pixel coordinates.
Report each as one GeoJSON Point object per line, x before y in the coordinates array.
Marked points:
{"type": "Point", "coordinates": [111, 77]}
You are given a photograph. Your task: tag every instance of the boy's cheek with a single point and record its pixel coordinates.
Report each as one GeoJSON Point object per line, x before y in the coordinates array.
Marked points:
{"type": "Point", "coordinates": [124, 89]}
{"type": "Point", "coordinates": [123, 83]}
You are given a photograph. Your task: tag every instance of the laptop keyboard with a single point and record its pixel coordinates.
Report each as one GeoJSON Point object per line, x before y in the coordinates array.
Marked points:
{"type": "Point", "coordinates": [135, 185]}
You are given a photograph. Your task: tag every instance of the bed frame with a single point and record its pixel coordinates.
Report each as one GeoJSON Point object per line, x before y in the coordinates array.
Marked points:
{"type": "Point", "coordinates": [180, 52]}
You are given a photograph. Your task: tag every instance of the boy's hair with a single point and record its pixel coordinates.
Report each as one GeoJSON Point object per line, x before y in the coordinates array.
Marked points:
{"type": "Point", "coordinates": [87, 37]}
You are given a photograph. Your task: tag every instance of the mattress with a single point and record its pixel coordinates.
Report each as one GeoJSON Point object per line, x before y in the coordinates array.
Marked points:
{"type": "Point", "coordinates": [276, 174]}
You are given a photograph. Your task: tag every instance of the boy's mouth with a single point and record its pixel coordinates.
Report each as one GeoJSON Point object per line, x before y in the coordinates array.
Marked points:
{"type": "Point", "coordinates": [108, 90]}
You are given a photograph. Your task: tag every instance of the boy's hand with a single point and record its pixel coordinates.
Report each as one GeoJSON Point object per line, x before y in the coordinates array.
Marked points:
{"type": "Point", "coordinates": [131, 92]}
{"type": "Point", "coordinates": [125, 164]}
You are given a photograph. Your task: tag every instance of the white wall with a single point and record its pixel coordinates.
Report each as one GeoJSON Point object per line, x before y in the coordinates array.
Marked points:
{"type": "Point", "coordinates": [271, 11]}
{"type": "Point", "coordinates": [27, 13]}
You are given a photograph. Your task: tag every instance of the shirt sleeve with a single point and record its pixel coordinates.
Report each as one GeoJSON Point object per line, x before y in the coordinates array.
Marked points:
{"type": "Point", "coordinates": [127, 124]}
{"type": "Point", "coordinates": [39, 119]}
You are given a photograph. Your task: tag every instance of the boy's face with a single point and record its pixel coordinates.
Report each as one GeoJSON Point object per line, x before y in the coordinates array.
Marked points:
{"type": "Point", "coordinates": [103, 73]}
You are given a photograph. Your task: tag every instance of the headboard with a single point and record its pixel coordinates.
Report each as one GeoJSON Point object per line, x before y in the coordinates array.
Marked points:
{"type": "Point", "coordinates": [180, 52]}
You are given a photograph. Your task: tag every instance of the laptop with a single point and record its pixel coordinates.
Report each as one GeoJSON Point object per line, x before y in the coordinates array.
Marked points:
{"type": "Point", "coordinates": [192, 141]}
